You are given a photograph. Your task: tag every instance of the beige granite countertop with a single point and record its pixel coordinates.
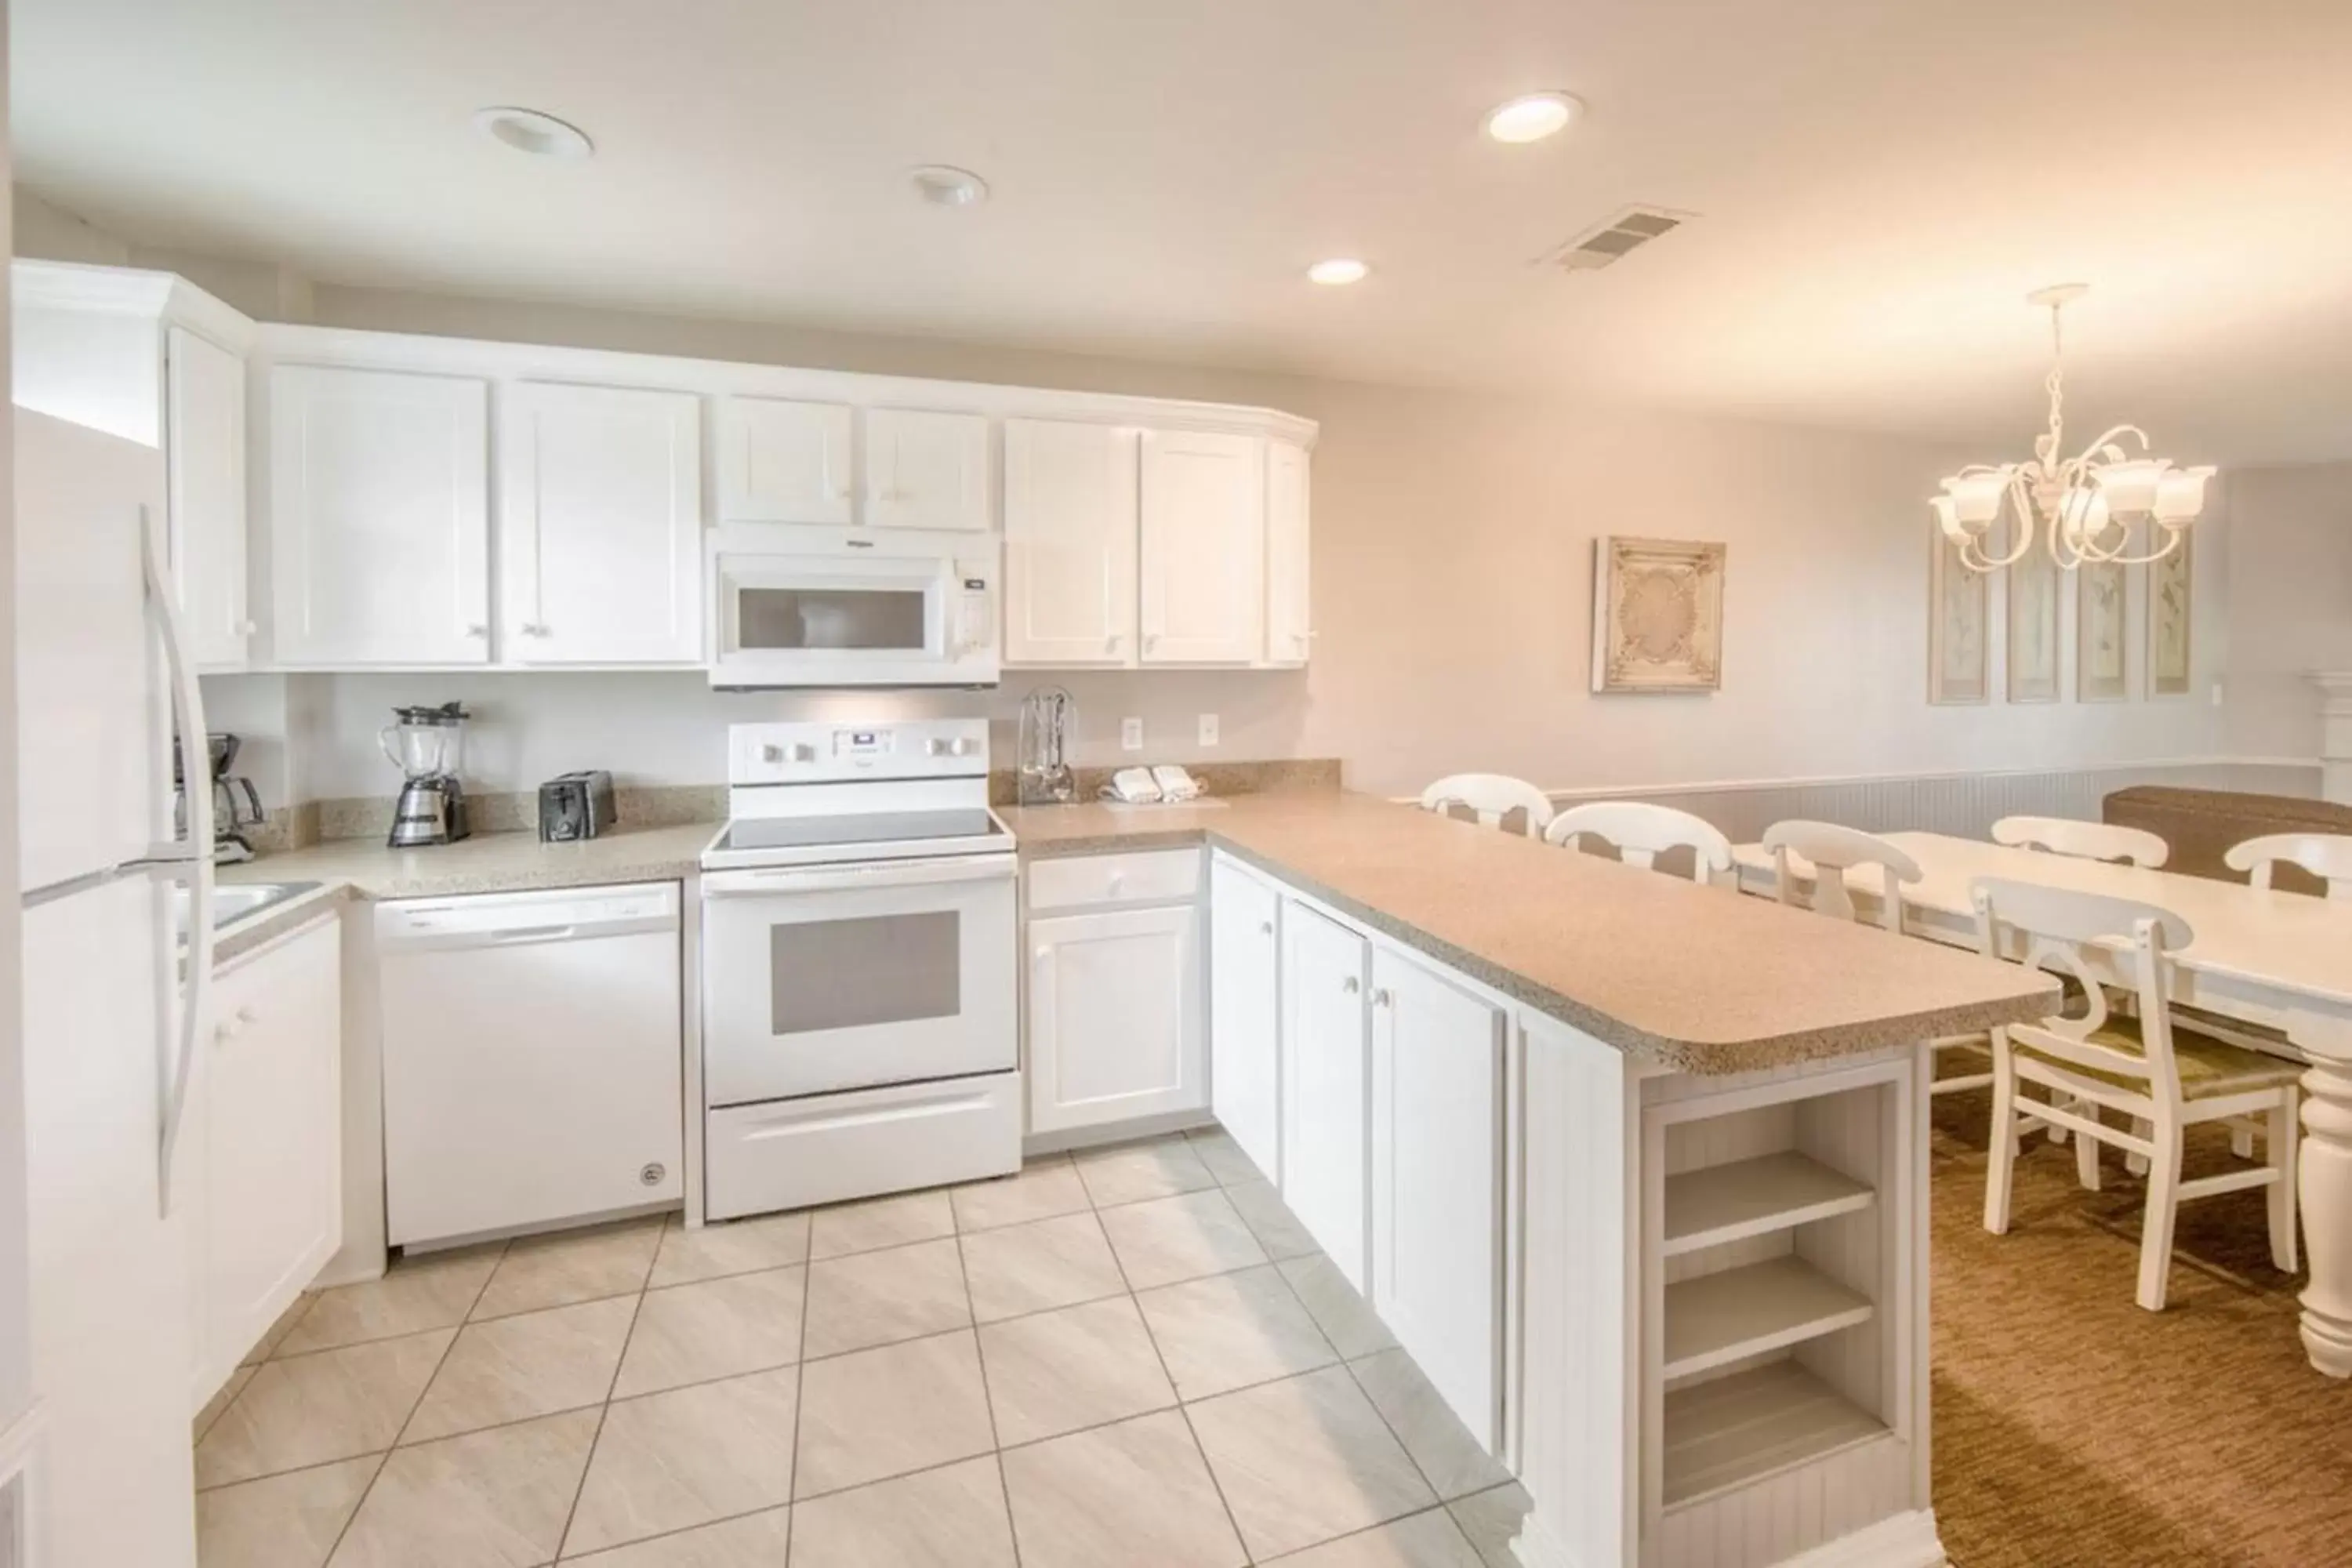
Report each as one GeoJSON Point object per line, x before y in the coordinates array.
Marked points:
{"type": "Point", "coordinates": [487, 863]}
{"type": "Point", "coordinates": [1700, 979]}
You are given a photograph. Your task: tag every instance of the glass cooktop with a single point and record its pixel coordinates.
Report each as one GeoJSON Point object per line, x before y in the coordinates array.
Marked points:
{"type": "Point", "coordinates": [859, 828]}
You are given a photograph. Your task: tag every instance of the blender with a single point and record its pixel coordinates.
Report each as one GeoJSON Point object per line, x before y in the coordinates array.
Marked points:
{"type": "Point", "coordinates": [426, 744]}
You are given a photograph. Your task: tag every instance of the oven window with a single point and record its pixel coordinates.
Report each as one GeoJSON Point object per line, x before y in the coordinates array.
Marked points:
{"type": "Point", "coordinates": [858, 973]}
{"type": "Point", "coordinates": [820, 619]}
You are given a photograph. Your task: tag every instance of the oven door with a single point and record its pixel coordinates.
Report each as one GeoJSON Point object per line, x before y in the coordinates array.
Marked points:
{"type": "Point", "coordinates": [832, 977]}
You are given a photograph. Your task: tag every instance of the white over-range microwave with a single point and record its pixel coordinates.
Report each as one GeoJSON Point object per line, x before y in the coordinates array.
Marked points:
{"type": "Point", "coordinates": [814, 606]}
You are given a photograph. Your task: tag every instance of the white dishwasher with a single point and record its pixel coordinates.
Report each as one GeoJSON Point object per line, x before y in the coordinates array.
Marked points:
{"type": "Point", "coordinates": [532, 1060]}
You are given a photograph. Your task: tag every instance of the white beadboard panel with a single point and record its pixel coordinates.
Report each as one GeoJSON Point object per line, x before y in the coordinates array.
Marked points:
{"type": "Point", "coordinates": [1720, 1140]}
{"type": "Point", "coordinates": [1799, 1508]}
{"type": "Point", "coordinates": [1963, 804]}
{"type": "Point", "coordinates": [1581, 1155]}
{"type": "Point", "coordinates": [1853, 1132]}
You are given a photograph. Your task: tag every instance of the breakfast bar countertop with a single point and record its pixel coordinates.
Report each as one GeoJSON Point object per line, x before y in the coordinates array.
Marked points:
{"type": "Point", "coordinates": [1698, 979]}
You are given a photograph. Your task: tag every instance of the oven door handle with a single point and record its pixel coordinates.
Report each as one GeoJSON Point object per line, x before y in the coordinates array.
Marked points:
{"type": "Point", "coordinates": [850, 879]}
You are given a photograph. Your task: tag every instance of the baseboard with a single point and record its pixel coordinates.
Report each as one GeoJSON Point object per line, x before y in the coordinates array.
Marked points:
{"type": "Point", "coordinates": [1066, 1138]}
{"type": "Point", "coordinates": [1903, 1540]}
{"type": "Point", "coordinates": [1537, 1547]}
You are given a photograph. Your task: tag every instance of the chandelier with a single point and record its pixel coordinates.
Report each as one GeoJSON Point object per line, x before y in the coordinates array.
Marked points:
{"type": "Point", "coordinates": [2082, 508]}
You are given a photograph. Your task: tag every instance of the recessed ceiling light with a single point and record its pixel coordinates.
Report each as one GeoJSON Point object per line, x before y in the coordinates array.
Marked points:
{"type": "Point", "coordinates": [944, 186]}
{"type": "Point", "coordinates": [1533, 117]}
{"type": "Point", "coordinates": [1338, 269]}
{"type": "Point", "coordinates": [529, 130]}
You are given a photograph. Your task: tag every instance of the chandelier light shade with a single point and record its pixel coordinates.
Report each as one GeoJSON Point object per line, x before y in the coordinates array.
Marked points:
{"type": "Point", "coordinates": [2081, 509]}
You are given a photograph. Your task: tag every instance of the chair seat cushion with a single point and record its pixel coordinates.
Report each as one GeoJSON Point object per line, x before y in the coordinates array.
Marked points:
{"type": "Point", "coordinates": [2208, 1066]}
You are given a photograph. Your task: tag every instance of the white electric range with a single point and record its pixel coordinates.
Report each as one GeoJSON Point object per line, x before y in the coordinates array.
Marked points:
{"type": "Point", "coordinates": [859, 1020]}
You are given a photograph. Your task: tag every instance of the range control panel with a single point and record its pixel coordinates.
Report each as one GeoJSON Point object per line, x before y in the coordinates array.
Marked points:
{"type": "Point", "coordinates": [823, 752]}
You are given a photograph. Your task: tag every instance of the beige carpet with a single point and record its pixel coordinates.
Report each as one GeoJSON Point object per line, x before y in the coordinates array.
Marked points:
{"type": "Point", "coordinates": [2072, 1428]}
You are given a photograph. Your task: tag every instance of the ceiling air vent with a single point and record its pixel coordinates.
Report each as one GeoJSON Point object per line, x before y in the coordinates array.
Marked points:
{"type": "Point", "coordinates": [1629, 230]}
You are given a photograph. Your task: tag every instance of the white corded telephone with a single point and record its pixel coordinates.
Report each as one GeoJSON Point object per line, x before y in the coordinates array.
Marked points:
{"type": "Point", "coordinates": [1142, 786]}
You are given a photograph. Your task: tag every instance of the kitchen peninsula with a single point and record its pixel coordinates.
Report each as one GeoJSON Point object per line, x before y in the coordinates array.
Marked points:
{"type": "Point", "coordinates": [1635, 1169]}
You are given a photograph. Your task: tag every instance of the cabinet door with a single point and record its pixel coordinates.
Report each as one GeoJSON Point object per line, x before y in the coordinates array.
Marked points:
{"type": "Point", "coordinates": [203, 439]}
{"type": "Point", "coordinates": [600, 525]}
{"type": "Point", "coordinates": [272, 1108]}
{"type": "Point", "coordinates": [1288, 631]}
{"type": "Point", "coordinates": [1437, 1183]}
{"type": "Point", "coordinates": [1069, 543]}
{"type": "Point", "coordinates": [379, 517]}
{"type": "Point", "coordinates": [781, 461]}
{"type": "Point", "coordinates": [926, 470]}
{"type": "Point", "coordinates": [1245, 1017]}
{"type": "Point", "coordinates": [1324, 1089]}
{"type": "Point", "coordinates": [1204, 548]}
{"type": "Point", "coordinates": [1114, 1017]}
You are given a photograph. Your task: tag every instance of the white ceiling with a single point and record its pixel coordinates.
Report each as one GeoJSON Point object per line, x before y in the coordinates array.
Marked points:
{"type": "Point", "coordinates": [1880, 182]}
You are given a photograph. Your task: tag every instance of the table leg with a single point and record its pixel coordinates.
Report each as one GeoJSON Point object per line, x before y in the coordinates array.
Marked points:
{"type": "Point", "coordinates": [2325, 1181]}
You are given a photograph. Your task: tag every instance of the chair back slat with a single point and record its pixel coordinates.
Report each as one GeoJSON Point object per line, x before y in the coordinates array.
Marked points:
{"type": "Point", "coordinates": [2083, 840]}
{"type": "Point", "coordinates": [2326, 855]}
{"type": "Point", "coordinates": [1834, 850]}
{"type": "Point", "coordinates": [1642, 832]}
{"type": "Point", "coordinates": [1489, 797]}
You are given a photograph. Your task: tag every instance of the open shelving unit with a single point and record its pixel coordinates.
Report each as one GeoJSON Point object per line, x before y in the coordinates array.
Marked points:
{"type": "Point", "coordinates": [1779, 1268]}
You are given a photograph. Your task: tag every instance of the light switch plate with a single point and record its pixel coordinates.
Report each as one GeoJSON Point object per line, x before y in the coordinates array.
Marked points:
{"type": "Point", "coordinates": [1207, 728]}
{"type": "Point", "coordinates": [1131, 734]}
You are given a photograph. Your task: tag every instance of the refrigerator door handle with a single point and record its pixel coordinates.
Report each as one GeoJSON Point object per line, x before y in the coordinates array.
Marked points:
{"type": "Point", "coordinates": [192, 856]}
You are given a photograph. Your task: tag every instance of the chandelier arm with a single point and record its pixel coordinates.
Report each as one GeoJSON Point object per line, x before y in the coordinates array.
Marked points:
{"type": "Point", "coordinates": [2171, 542]}
{"type": "Point", "coordinates": [2106, 436]}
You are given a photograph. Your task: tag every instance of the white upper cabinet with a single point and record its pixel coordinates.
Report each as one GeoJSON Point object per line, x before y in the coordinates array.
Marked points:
{"type": "Point", "coordinates": [204, 422]}
{"type": "Point", "coordinates": [1069, 543]}
{"type": "Point", "coordinates": [782, 461]}
{"type": "Point", "coordinates": [1288, 631]}
{"type": "Point", "coordinates": [1203, 547]}
{"type": "Point", "coordinates": [379, 517]}
{"type": "Point", "coordinates": [600, 525]}
{"type": "Point", "coordinates": [1437, 1183]}
{"type": "Point", "coordinates": [926, 470]}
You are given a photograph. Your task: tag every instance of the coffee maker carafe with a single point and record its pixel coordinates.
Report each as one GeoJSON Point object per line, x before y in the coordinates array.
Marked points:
{"type": "Point", "coordinates": [426, 744]}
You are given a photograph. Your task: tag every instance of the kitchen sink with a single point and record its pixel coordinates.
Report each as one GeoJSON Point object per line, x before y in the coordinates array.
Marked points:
{"type": "Point", "coordinates": [233, 902]}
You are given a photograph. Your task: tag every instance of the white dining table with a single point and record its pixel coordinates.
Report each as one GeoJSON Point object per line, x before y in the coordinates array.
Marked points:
{"type": "Point", "coordinates": [2273, 959]}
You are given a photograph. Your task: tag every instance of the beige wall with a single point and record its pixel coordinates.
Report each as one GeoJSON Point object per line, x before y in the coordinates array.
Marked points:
{"type": "Point", "coordinates": [2290, 602]}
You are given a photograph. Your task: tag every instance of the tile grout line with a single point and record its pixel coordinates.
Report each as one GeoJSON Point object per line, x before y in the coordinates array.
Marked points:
{"type": "Point", "coordinates": [800, 1387]}
{"type": "Point", "coordinates": [423, 1389]}
{"type": "Point", "coordinates": [1182, 1411]}
{"type": "Point", "coordinates": [987, 1393]}
{"type": "Point", "coordinates": [580, 1488]}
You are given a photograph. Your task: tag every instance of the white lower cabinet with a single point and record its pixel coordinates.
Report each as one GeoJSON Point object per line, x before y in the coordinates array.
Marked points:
{"type": "Point", "coordinates": [1437, 1183]}
{"type": "Point", "coordinates": [1114, 1022]}
{"type": "Point", "coordinates": [1244, 1012]}
{"type": "Point", "coordinates": [260, 1170]}
{"type": "Point", "coordinates": [1324, 1086]}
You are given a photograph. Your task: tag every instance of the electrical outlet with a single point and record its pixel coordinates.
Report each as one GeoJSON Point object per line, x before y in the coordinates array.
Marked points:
{"type": "Point", "coordinates": [2217, 694]}
{"type": "Point", "coordinates": [1131, 734]}
{"type": "Point", "coordinates": [1207, 728]}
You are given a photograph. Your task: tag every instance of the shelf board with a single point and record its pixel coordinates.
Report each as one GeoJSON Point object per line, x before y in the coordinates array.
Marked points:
{"type": "Point", "coordinates": [1750, 1197]}
{"type": "Point", "coordinates": [1721, 1318]}
{"type": "Point", "coordinates": [1734, 1430]}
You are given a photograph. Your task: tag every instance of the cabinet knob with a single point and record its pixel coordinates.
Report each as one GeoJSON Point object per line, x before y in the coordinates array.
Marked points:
{"type": "Point", "coordinates": [1265, 928]}
{"type": "Point", "coordinates": [478, 630]}
{"type": "Point", "coordinates": [1042, 954]}
{"type": "Point", "coordinates": [1152, 641]}
{"type": "Point", "coordinates": [1110, 643]}
{"type": "Point", "coordinates": [1351, 985]}
{"type": "Point", "coordinates": [534, 629]}
{"type": "Point", "coordinates": [1382, 998]}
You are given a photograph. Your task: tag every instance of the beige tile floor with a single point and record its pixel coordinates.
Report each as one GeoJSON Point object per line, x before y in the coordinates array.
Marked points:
{"type": "Point", "coordinates": [1130, 1356]}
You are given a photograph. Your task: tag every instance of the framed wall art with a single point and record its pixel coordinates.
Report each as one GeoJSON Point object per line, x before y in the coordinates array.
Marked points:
{"type": "Point", "coordinates": [1657, 616]}
{"type": "Point", "coordinates": [1959, 646]}
{"type": "Point", "coordinates": [2168, 607]}
{"type": "Point", "coordinates": [2102, 666]}
{"type": "Point", "coordinates": [2033, 622]}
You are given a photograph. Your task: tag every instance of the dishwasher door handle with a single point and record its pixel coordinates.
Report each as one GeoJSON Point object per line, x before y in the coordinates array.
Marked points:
{"type": "Point", "coordinates": [535, 934]}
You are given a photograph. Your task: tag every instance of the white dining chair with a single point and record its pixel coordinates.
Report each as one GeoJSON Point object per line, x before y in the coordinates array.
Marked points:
{"type": "Point", "coordinates": [1819, 844]}
{"type": "Point", "coordinates": [2326, 855]}
{"type": "Point", "coordinates": [2165, 1078]}
{"type": "Point", "coordinates": [1489, 797]}
{"type": "Point", "coordinates": [1642, 832]}
{"type": "Point", "coordinates": [2083, 840]}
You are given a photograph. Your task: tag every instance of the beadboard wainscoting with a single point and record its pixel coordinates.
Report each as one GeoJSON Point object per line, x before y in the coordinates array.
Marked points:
{"type": "Point", "coordinates": [1963, 804]}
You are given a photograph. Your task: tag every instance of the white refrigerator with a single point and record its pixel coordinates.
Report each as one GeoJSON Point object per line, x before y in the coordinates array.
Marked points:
{"type": "Point", "coordinates": [110, 1006]}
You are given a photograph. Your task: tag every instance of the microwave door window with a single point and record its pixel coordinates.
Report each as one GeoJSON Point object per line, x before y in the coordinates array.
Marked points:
{"type": "Point", "coordinates": [866, 972]}
{"type": "Point", "coordinates": [831, 620]}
